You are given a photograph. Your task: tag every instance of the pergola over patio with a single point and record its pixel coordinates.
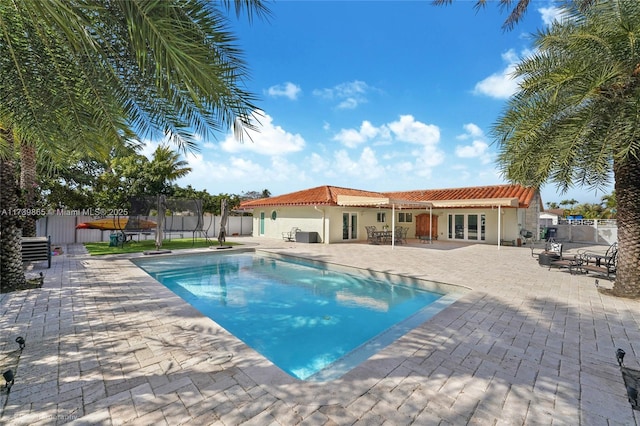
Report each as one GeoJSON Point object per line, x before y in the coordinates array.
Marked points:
{"type": "Point", "coordinates": [388, 202]}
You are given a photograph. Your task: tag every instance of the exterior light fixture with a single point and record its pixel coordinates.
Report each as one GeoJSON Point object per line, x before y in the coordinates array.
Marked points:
{"type": "Point", "coordinates": [620, 356]}
{"type": "Point", "coordinates": [8, 377]}
{"type": "Point", "coordinates": [20, 341]}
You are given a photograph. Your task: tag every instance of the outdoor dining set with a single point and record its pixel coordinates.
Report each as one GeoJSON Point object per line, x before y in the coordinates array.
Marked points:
{"type": "Point", "coordinates": [387, 236]}
{"type": "Point", "coordinates": [583, 262]}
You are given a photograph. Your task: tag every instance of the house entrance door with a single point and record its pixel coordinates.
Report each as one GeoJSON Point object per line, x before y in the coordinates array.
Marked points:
{"type": "Point", "coordinates": [349, 226]}
{"type": "Point", "coordinates": [424, 228]}
{"type": "Point", "coordinates": [470, 227]}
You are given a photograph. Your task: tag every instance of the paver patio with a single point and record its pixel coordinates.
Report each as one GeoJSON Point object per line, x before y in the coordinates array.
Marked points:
{"type": "Point", "coordinates": [106, 344]}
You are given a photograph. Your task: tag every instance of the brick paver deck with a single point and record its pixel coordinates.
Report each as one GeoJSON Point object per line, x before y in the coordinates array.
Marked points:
{"type": "Point", "coordinates": [107, 345]}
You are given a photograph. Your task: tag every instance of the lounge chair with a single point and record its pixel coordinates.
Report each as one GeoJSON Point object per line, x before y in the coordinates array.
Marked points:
{"type": "Point", "coordinates": [599, 263]}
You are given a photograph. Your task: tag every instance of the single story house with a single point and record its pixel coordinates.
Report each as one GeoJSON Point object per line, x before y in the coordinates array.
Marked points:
{"type": "Point", "coordinates": [486, 214]}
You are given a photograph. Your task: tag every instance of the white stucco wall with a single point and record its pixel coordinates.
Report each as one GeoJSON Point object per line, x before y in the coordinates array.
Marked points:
{"type": "Point", "coordinates": [306, 218]}
{"type": "Point", "coordinates": [327, 222]}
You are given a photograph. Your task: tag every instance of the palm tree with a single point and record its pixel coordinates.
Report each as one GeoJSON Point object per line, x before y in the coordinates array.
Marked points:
{"type": "Point", "coordinates": [572, 202]}
{"type": "Point", "coordinates": [98, 73]}
{"type": "Point", "coordinates": [574, 118]}
{"type": "Point", "coordinates": [518, 11]}
{"type": "Point", "coordinates": [610, 205]}
{"type": "Point", "coordinates": [164, 168]}
{"type": "Point", "coordinates": [10, 227]}
{"type": "Point", "coordinates": [552, 205]}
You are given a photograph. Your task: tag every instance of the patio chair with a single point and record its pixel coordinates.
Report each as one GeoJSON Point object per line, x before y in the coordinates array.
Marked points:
{"type": "Point", "coordinates": [397, 234]}
{"type": "Point", "coordinates": [552, 254]}
{"type": "Point", "coordinates": [401, 234]}
{"type": "Point", "coordinates": [550, 246]}
{"type": "Point", "coordinates": [291, 235]}
{"type": "Point", "coordinates": [371, 237]}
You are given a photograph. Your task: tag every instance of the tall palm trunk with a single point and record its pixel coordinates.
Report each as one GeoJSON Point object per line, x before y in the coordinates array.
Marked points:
{"type": "Point", "coordinates": [627, 175]}
{"type": "Point", "coordinates": [27, 184]}
{"type": "Point", "coordinates": [11, 272]}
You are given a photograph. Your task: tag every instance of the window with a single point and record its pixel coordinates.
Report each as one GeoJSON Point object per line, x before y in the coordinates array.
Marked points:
{"type": "Point", "coordinates": [274, 215]}
{"type": "Point", "coordinates": [405, 217]}
{"type": "Point", "coordinates": [382, 216]}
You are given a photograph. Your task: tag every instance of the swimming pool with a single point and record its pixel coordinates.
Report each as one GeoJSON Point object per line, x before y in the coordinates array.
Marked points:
{"type": "Point", "coordinates": [312, 320]}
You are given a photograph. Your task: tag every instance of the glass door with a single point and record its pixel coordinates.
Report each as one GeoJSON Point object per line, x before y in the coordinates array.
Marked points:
{"type": "Point", "coordinates": [467, 227]}
{"type": "Point", "coordinates": [458, 226]}
{"type": "Point", "coordinates": [261, 223]}
{"type": "Point", "coordinates": [472, 227]}
{"type": "Point", "coordinates": [349, 226]}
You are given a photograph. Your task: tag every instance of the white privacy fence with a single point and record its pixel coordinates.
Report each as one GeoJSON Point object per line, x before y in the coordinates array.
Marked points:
{"type": "Point", "coordinates": [62, 228]}
{"type": "Point", "coordinates": [601, 231]}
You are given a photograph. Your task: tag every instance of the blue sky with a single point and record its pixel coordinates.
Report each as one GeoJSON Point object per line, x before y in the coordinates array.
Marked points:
{"type": "Point", "coordinates": [373, 95]}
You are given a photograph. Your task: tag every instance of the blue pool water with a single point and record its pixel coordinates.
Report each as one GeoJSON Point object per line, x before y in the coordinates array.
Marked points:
{"type": "Point", "coordinates": [313, 322]}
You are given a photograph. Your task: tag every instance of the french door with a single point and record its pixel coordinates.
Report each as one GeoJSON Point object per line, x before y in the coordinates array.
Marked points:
{"type": "Point", "coordinates": [467, 227]}
{"type": "Point", "coordinates": [349, 226]}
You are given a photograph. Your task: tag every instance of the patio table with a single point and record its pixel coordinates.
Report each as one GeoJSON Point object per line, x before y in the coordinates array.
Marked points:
{"type": "Point", "coordinates": [598, 258]}
{"type": "Point", "coordinates": [383, 237]}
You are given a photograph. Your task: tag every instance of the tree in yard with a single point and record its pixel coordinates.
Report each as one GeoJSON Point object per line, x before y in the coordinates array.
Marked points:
{"type": "Point", "coordinates": [570, 203]}
{"type": "Point", "coordinates": [10, 226]}
{"type": "Point", "coordinates": [610, 205]}
{"type": "Point", "coordinates": [588, 210]}
{"type": "Point", "coordinates": [574, 120]}
{"type": "Point", "coordinates": [519, 9]}
{"type": "Point", "coordinates": [164, 168]}
{"type": "Point", "coordinates": [255, 195]}
{"type": "Point", "coordinates": [90, 75]}
{"type": "Point", "coordinates": [552, 205]}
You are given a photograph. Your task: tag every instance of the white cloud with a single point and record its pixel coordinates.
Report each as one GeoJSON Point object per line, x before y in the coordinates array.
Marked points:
{"type": "Point", "coordinates": [366, 166]}
{"type": "Point", "coordinates": [286, 90]}
{"type": "Point", "coordinates": [426, 159]}
{"type": "Point", "coordinates": [218, 176]}
{"type": "Point", "coordinates": [350, 95]}
{"type": "Point", "coordinates": [148, 147]}
{"type": "Point", "coordinates": [502, 84]}
{"type": "Point", "coordinates": [472, 131]}
{"type": "Point", "coordinates": [407, 129]}
{"type": "Point", "coordinates": [478, 148]}
{"type": "Point", "coordinates": [270, 140]}
{"type": "Point", "coordinates": [318, 163]}
{"type": "Point", "coordinates": [352, 137]}
{"type": "Point", "coordinates": [349, 103]}
{"type": "Point", "coordinates": [550, 14]}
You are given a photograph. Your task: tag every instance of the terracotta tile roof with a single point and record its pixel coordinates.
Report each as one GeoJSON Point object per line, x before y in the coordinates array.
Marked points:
{"type": "Point", "coordinates": [328, 195]}
{"type": "Point", "coordinates": [319, 196]}
{"type": "Point", "coordinates": [525, 195]}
